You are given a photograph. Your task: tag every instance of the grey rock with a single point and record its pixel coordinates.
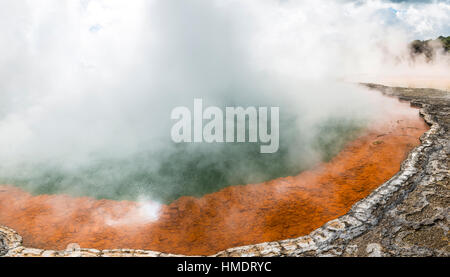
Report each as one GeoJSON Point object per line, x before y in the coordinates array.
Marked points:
{"type": "Point", "coordinates": [3, 246]}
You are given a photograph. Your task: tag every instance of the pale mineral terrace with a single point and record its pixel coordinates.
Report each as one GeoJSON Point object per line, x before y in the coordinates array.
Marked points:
{"type": "Point", "coordinates": [406, 216]}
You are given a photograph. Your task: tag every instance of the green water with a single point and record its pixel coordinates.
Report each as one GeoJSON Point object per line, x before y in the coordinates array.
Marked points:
{"type": "Point", "coordinates": [186, 169]}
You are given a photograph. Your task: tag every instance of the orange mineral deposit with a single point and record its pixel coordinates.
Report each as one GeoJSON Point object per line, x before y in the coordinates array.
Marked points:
{"type": "Point", "coordinates": [283, 208]}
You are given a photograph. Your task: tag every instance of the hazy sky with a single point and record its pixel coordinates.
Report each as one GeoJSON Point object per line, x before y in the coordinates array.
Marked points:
{"type": "Point", "coordinates": [423, 19]}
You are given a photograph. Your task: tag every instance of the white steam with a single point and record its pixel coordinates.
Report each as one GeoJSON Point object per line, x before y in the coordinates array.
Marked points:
{"type": "Point", "coordinates": [89, 80]}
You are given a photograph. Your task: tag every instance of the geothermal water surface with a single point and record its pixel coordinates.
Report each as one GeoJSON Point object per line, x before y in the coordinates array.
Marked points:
{"type": "Point", "coordinates": [281, 208]}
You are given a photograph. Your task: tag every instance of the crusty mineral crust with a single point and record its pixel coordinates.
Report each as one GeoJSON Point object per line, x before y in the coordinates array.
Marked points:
{"type": "Point", "coordinates": [406, 216]}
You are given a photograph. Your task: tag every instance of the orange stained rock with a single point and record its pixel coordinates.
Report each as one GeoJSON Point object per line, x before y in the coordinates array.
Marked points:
{"type": "Point", "coordinates": [239, 215]}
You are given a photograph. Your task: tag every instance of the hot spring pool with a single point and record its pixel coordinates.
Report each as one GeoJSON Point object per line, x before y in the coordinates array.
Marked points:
{"type": "Point", "coordinates": [216, 210]}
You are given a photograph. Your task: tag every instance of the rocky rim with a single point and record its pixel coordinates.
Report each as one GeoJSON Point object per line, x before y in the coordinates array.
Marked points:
{"type": "Point", "coordinates": [406, 216]}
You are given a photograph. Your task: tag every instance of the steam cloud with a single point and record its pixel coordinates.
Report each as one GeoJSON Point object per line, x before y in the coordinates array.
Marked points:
{"type": "Point", "coordinates": [87, 88]}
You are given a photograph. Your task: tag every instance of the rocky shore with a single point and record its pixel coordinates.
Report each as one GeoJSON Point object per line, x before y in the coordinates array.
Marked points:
{"type": "Point", "coordinates": [406, 216]}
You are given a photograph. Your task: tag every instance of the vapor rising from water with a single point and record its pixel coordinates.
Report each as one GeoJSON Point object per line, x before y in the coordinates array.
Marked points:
{"type": "Point", "coordinates": [87, 88]}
